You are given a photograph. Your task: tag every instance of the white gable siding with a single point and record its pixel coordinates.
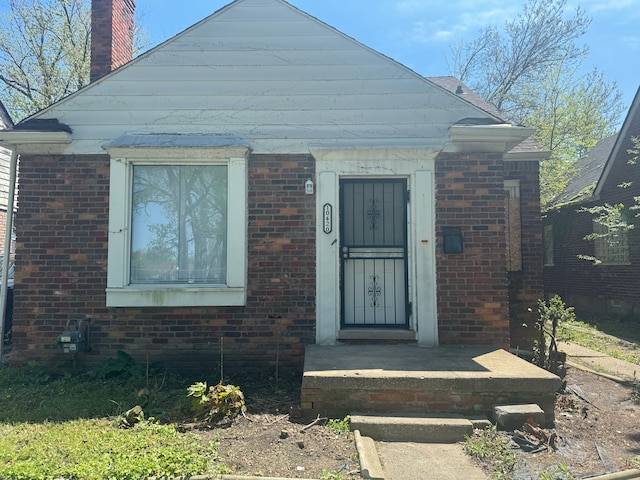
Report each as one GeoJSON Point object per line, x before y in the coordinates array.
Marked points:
{"type": "Point", "coordinates": [263, 71]}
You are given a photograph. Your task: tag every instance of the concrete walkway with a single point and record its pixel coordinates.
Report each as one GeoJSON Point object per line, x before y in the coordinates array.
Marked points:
{"type": "Point", "coordinates": [596, 362]}
{"type": "Point", "coordinates": [420, 461]}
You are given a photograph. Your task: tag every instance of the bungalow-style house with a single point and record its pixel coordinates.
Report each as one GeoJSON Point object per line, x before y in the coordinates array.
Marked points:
{"type": "Point", "coordinates": [598, 274]}
{"type": "Point", "coordinates": [262, 182]}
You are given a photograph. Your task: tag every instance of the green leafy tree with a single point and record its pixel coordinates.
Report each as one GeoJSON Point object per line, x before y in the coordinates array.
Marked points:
{"type": "Point", "coordinates": [529, 70]}
{"type": "Point", "coordinates": [45, 50]}
{"type": "Point", "coordinates": [570, 114]}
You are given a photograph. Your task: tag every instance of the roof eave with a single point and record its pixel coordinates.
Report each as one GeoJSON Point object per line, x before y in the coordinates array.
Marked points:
{"type": "Point", "coordinates": [33, 141]}
{"type": "Point", "coordinates": [485, 138]}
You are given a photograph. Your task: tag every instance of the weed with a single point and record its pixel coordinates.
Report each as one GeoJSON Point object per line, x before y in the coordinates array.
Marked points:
{"type": "Point", "coordinates": [216, 403]}
{"type": "Point", "coordinates": [340, 426]}
{"type": "Point", "coordinates": [489, 446]}
{"type": "Point", "coordinates": [550, 317]}
{"type": "Point", "coordinates": [556, 472]}
{"type": "Point", "coordinates": [335, 475]}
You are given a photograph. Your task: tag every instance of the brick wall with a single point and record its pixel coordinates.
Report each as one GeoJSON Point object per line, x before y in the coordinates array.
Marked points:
{"type": "Point", "coordinates": [472, 286]}
{"type": "Point", "coordinates": [112, 29]}
{"type": "Point", "coordinates": [611, 290]}
{"type": "Point", "coordinates": [526, 285]}
{"type": "Point", "coordinates": [61, 273]}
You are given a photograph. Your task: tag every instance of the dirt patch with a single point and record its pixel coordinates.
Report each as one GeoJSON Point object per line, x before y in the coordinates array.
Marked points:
{"type": "Point", "coordinates": [596, 432]}
{"type": "Point", "coordinates": [596, 427]}
{"type": "Point", "coordinates": [272, 439]}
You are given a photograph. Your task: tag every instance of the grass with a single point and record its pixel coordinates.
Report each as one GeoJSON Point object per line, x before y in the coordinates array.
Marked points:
{"type": "Point", "coordinates": [67, 427]}
{"type": "Point", "coordinates": [617, 339]}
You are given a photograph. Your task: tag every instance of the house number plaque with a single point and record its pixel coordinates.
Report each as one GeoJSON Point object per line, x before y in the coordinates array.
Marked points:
{"type": "Point", "coordinates": [327, 213]}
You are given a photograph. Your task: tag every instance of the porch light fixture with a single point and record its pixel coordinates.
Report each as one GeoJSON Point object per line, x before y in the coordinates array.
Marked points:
{"type": "Point", "coordinates": [308, 187]}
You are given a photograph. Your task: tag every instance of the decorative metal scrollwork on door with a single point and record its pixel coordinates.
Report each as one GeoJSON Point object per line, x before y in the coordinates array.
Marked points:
{"type": "Point", "coordinates": [374, 290]}
{"type": "Point", "coordinates": [373, 214]}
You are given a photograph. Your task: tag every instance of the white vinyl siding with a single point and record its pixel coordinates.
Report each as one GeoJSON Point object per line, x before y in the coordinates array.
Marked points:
{"type": "Point", "coordinates": [268, 73]}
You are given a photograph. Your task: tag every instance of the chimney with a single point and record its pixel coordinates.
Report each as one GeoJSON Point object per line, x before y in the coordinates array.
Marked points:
{"type": "Point", "coordinates": [111, 35]}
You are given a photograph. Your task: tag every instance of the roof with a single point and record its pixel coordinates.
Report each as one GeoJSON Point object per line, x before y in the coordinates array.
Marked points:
{"type": "Point", "coordinates": [588, 171]}
{"type": "Point", "coordinates": [452, 84]}
{"type": "Point", "coordinates": [271, 75]}
{"type": "Point", "coordinates": [592, 170]}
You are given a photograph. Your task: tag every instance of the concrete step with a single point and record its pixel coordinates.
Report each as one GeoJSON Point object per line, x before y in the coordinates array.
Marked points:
{"type": "Point", "coordinates": [424, 428]}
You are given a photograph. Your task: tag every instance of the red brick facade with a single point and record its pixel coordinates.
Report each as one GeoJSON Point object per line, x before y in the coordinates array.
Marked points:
{"type": "Point", "coordinates": [526, 286]}
{"type": "Point", "coordinates": [62, 256]}
{"type": "Point", "coordinates": [478, 300]}
{"type": "Point", "coordinates": [62, 262]}
{"type": "Point", "coordinates": [472, 286]}
{"type": "Point", "coordinates": [112, 29]}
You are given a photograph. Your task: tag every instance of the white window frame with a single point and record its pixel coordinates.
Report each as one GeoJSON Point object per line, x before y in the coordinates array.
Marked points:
{"type": "Point", "coordinates": [120, 292]}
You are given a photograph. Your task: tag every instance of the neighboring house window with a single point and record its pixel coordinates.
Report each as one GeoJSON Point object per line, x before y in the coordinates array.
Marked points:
{"type": "Point", "coordinates": [177, 226]}
{"type": "Point", "coordinates": [548, 245]}
{"type": "Point", "coordinates": [611, 247]}
{"type": "Point", "coordinates": [513, 225]}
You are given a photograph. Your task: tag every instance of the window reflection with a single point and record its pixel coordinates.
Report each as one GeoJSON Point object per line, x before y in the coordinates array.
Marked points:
{"type": "Point", "coordinates": [179, 224]}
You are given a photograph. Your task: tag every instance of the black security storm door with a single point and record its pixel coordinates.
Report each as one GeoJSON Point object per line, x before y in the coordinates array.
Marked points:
{"type": "Point", "coordinates": [373, 250]}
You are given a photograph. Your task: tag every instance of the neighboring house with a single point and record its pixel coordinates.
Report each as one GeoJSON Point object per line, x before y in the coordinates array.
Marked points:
{"type": "Point", "coordinates": [5, 189]}
{"type": "Point", "coordinates": [262, 182]}
{"type": "Point", "coordinates": [610, 284]}
{"type": "Point", "coordinates": [5, 161]}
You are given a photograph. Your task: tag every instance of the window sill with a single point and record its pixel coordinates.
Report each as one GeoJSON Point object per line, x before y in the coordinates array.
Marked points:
{"type": "Point", "coordinates": [152, 296]}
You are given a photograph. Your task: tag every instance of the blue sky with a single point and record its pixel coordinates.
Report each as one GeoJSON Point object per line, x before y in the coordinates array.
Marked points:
{"type": "Point", "coordinates": [419, 33]}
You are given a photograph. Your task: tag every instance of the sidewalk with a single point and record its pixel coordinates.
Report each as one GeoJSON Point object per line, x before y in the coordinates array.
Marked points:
{"type": "Point", "coordinates": [599, 363]}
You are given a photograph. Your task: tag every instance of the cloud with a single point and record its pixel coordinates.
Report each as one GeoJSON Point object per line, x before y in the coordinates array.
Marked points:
{"type": "Point", "coordinates": [443, 27]}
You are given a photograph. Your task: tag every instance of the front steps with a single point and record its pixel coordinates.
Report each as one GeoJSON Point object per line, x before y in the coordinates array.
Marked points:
{"type": "Point", "coordinates": [401, 379]}
{"type": "Point", "coordinates": [419, 429]}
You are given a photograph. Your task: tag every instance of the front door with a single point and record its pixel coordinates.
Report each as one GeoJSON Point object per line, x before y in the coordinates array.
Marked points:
{"type": "Point", "coordinates": [373, 251]}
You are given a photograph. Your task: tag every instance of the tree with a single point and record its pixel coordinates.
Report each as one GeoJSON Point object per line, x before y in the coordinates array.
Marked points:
{"type": "Point", "coordinates": [44, 52]}
{"type": "Point", "coordinates": [570, 114]}
{"type": "Point", "coordinates": [529, 71]}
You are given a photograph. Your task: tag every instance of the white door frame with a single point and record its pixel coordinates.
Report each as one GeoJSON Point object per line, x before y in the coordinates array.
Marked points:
{"type": "Point", "coordinates": [417, 166]}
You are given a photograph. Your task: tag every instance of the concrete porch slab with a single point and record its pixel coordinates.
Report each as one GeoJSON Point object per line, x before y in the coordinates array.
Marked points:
{"type": "Point", "coordinates": [343, 379]}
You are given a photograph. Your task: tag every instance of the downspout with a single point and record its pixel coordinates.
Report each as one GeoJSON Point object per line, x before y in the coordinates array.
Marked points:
{"type": "Point", "coordinates": [7, 245]}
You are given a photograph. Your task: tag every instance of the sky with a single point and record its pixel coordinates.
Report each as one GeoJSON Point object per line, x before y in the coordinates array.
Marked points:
{"type": "Point", "coordinates": [420, 33]}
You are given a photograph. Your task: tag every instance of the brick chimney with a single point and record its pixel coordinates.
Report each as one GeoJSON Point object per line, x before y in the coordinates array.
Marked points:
{"type": "Point", "coordinates": [111, 35]}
